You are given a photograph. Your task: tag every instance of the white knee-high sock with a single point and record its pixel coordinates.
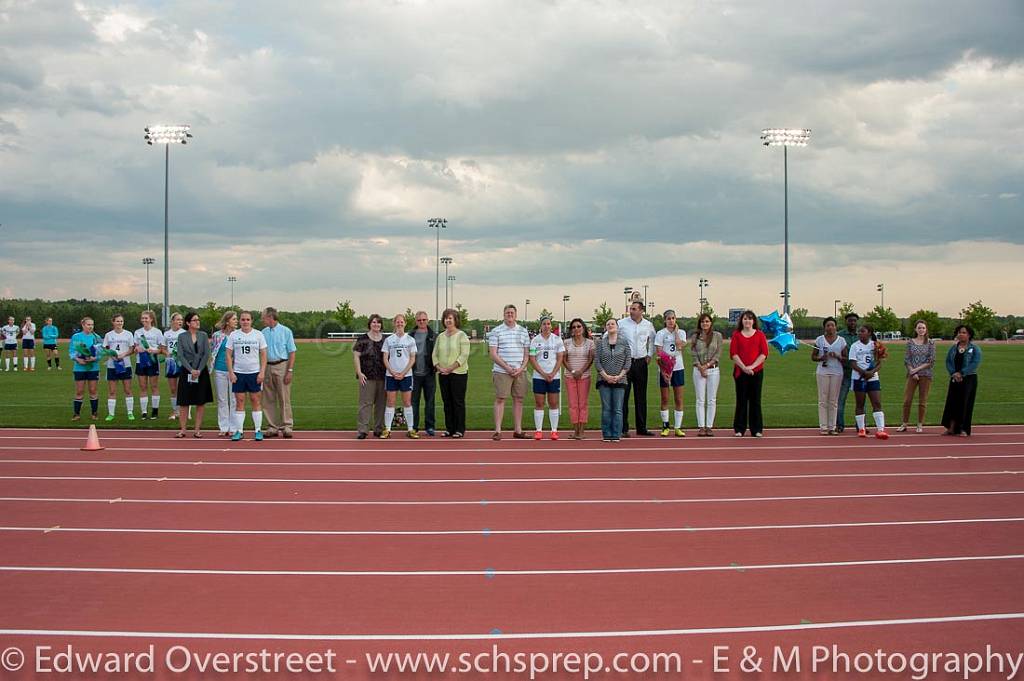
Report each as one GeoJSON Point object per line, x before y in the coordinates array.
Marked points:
{"type": "Point", "coordinates": [174, 404]}
{"type": "Point", "coordinates": [407, 411]}
{"type": "Point", "coordinates": [144, 405]}
{"type": "Point", "coordinates": [257, 420]}
{"type": "Point", "coordinates": [664, 418]}
{"type": "Point", "coordinates": [7, 364]}
{"type": "Point", "coordinates": [237, 421]}
{"type": "Point", "coordinates": [33, 363]}
{"type": "Point", "coordinates": [679, 419]}
{"type": "Point", "coordinates": [538, 419]}
{"type": "Point", "coordinates": [129, 403]}
{"type": "Point", "coordinates": [111, 406]}
{"type": "Point", "coordinates": [26, 361]}
{"type": "Point", "coordinates": [879, 418]}
{"type": "Point", "coordinates": [389, 417]}
{"type": "Point", "coordinates": [553, 419]}
{"type": "Point", "coordinates": [860, 421]}
{"type": "Point", "coordinates": [156, 401]}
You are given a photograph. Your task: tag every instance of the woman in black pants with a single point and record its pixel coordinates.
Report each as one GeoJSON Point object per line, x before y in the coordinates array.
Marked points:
{"type": "Point", "coordinates": [962, 362]}
{"type": "Point", "coordinates": [451, 357]}
{"type": "Point", "coordinates": [748, 348]}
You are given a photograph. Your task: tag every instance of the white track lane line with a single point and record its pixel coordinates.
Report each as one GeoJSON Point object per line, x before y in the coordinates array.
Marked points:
{"type": "Point", "coordinates": [530, 448]}
{"type": "Point", "coordinates": [499, 502]}
{"type": "Point", "coordinates": [439, 481]}
{"type": "Point", "coordinates": [488, 532]}
{"type": "Point", "coordinates": [697, 631]}
{"type": "Point", "coordinates": [63, 569]}
{"type": "Point", "coordinates": [429, 464]}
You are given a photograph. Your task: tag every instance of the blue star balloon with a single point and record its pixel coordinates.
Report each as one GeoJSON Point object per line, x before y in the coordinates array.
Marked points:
{"type": "Point", "coordinates": [773, 324]}
{"type": "Point", "coordinates": [784, 342]}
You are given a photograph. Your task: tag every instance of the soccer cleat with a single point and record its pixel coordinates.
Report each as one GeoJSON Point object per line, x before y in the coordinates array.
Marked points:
{"type": "Point", "coordinates": [173, 417]}
{"type": "Point", "coordinates": [385, 434]}
{"type": "Point", "coordinates": [143, 416]}
{"type": "Point", "coordinates": [665, 432]}
{"type": "Point", "coordinates": [258, 436]}
{"type": "Point", "coordinates": [109, 418]}
{"type": "Point", "coordinates": [131, 416]}
{"type": "Point", "coordinates": [881, 435]}
{"type": "Point", "coordinates": [538, 435]}
{"type": "Point", "coordinates": [236, 437]}
{"type": "Point", "coordinates": [554, 435]}
{"type": "Point", "coordinates": [680, 432]}
{"type": "Point", "coordinates": [412, 435]}
{"type": "Point", "coordinates": [76, 417]}
{"type": "Point", "coordinates": [862, 432]}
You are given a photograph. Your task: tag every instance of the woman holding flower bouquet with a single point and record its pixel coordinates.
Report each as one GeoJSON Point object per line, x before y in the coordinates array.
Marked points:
{"type": "Point", "coordinates": [168, 347]}
{"type": "Point", "coordinates": [85, 366]}
{"type": "Point", "coordinates": [865, 358]}
{"type": "Point", "coordinates": [668, 346]}
{"type": "Point", "coordinates": [148, 340]}
{"type": "Point", "coordinates": [120, 345]}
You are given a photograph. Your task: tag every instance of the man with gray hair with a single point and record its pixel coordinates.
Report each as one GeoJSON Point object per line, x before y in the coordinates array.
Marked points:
{"type": "Point", "coordinates": [277, 384]}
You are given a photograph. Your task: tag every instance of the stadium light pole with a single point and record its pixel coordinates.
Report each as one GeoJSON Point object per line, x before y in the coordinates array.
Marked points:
{"type": "Point", "coordinates": [565, 299]}
{"type": "Point", "coordinates": [835, 307]}
{"type": "Point", "coordinates": [446, 261]}
{"type": "Point", "coordinates": [451, 281]}
{"type": "Point", "coordinates": [785, 138]}
{"type": "Point", "coordinates": [626, 290]}
{"type": "Point", "coordinates": [437, 224]}
{"type": "Point", "coordinates": [645, 294]}
{"type": "Point", "coordinates": [147, 262]}
{"type": "Point", "coordinates": [526, 310]}
{"type": "Point", "coordinates": [232, 280]}
{"type": "Point", "coordinates": [702, 301]}
{"type": "Point", "coordinates": [881, 289]}
{"type": "Point", "coordinates": [167, 135]}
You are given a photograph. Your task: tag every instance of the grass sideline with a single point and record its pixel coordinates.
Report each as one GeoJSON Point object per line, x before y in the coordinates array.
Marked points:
{"type": "Point", "coordinates": [324, 395]}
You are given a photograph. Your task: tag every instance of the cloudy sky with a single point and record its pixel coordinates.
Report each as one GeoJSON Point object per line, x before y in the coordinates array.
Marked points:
{"type": "Point", "coordinates": [574, 148]}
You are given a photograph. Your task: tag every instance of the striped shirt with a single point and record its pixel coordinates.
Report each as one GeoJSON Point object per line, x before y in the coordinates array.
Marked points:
{"type": "Point", "coordinates": [511, 342]}
{"type": "Point", "coordinates": [613, 360]}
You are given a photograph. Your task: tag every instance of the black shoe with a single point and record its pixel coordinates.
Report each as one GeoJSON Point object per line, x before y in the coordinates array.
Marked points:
{"type": "Point", "coordinates": [361, 436]}
{"type": "Point", "coordinates": [645, 433]}
{"type": "Point", "coordinates": [430, 432]}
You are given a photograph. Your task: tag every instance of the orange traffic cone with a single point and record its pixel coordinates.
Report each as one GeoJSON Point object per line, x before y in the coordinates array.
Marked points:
{"type": "Point", "coordinates": [92, 444]}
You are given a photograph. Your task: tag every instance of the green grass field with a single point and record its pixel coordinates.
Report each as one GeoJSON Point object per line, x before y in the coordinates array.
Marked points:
{"type": "Point", "coordinates": [324, 393]}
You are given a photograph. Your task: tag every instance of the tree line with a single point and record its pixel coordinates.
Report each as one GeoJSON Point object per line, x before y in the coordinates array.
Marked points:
{"type": "Point", "coordinates": [67, 314]}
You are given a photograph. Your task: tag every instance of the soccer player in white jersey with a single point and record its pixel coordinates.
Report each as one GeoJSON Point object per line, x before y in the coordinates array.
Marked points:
{"type": "Point", "coordinates": [10, 334]}
{"type": "Point", "coordinates": [399, 351]}
{"type": "Point", "coordinates": [247, 366]}
{"type": "Point", "coordinates": [546, 354]}
{"type": "Point", "coordinates": [167, 348]}
{"type": "Point", "coordinates": [148, 340]}
{"type": "Point", "coordinates": [28, 344]}
{"type": "Point", "coordinates": [669, 342]}
{"type": "Point", "coordinates": [119, 367]}
{"type": "Point", "coordinates": [866, 355]}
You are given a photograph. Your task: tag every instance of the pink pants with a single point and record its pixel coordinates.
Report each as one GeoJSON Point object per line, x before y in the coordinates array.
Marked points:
{"type": "Point", "coordinates": [579, 396]}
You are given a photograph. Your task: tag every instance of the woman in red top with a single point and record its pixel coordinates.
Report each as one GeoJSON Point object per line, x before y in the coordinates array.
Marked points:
{"type": "Point", "coordinates": [748, 348]}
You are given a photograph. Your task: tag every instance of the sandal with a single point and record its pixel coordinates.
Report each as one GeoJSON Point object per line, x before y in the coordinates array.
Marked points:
{"type": "Point", "coordinates": [198, 434]}
{"type": "Point", "coordinates": [180, 434]}
{"type": "Point", "coordinates": [496, 436]}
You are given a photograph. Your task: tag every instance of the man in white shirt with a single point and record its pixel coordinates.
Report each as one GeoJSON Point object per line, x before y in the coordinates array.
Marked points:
{"type": "Point", "coordinates": [510, 350]}
{"type": "Point", "coordinates": [639, 334]}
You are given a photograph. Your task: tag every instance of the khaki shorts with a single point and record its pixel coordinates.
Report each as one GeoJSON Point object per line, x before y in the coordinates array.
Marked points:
{"type": "Point", "coordinates": [504, 385]}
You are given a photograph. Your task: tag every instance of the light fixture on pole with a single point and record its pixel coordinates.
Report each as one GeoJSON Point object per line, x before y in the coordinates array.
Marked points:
{"type": "Point", "coordinates": [626, 290]}
{"type": "Point", "coordinates": [702, 301]}
{"type": "Point", "coordinates": [451, 281]}
{"type": "Point", "coordinates": [232, 280]}
{"type": "Point", "coordinates": [167, 135]}
{"type": "Point", "coordinates": [881, 289]}
{"type": "Point", "coordinates": [645, 294]}
{"type": "Point", "coordinates": [446, 261]}
{"type": "Point", "coordinates": [147, 262]}
{"type": "Point", "coordinates": [565, 299]}
{"type": "Point", "coordinates": [650, 308]}
{"type": "Point", "coordinates": [785, 138]}
{"type": "Point", "coordinates": [526, 310]}
{"type": "Point", "coordinates": [437, 224]}
{"type": "Point", "coordinates": [835, 308]}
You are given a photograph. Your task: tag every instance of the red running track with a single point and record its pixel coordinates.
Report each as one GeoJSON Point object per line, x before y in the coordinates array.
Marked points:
{"type": "Point", "coordinates": [654, 545]}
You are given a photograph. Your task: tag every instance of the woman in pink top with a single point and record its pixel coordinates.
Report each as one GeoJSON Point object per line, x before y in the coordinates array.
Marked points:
{"type": "Point", "coordinates": [579, 356]}
{"type": "Point", "coordinates": [749, 350]}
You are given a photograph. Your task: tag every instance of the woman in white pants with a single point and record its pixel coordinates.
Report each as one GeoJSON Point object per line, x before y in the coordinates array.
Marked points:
{"type": "Point", "coordinates": [829, 352]}
{"type": "Point", "coordinates": [219, 369]}
{"type": "Point", "coordinates": [706, 349]}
